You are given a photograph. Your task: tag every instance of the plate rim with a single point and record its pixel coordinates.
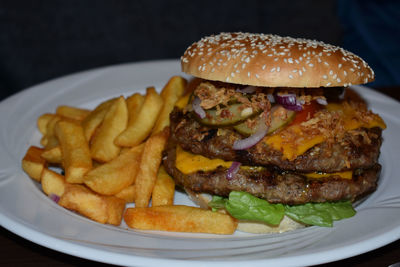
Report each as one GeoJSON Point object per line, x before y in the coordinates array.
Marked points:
{"type": "Point", "coordinates": [69, 247]}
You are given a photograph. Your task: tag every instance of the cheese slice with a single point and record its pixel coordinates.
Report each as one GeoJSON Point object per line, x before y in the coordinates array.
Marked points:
{"type": "Point", "coordinates": [319, 175]}
{"type": "Point", "coordinates": [300, 142]}
{"type": "Point", "coordinates": [187, 162]}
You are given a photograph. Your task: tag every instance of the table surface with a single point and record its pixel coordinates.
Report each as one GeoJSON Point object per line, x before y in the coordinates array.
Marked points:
{"type": "Point", "coordinates": [17, 251]}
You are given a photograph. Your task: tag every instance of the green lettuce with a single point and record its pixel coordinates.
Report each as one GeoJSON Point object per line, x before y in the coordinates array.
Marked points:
{"type": "Point", "coordinates": [321, 214]}
{"type": "Point", "coordinates": [244, 206]}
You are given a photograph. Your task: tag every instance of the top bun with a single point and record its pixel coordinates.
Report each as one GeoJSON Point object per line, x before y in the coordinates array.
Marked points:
{"type": "Point", "coordinates": [274, 61]}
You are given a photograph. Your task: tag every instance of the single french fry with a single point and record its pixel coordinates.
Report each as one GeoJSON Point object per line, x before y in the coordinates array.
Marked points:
{"type": "Point", "coordinates": [72, 112]}
{"type": "Point", "coordinates": [50, 137]}
{"type": "Point", "coordinates": [74, 149]}
{"type": "Point", "coordinates": [164, 189]}
{"type": "Point", "coordinates": [44, 141]}
{"type": "Point", "coordinates": [180, 219]}
{"type": "Point", "coordinates": [171, 92]}
{"type": "Point", "coordinates": [43, 120]}
{"type": "Point", "coordinates": [134, 104]}
{"type": "Point", "coordinates": [115, 209]}
{"type": "Point", "coordinates": [82, 200]}
{"type": "Point", "coordinates": [52, 182]}
{"type": "Point", "coordinates": [33, 164]}
{"type": "Point", "coordinates": [102, 146]}
{"type": "Point", "coordinates": [53, 155]}
{"type": "Point", "coordinates": [99, 208]}
{"type": "Point", "coordinates": [149, 164]}
{"type": "Point", "coordinates": [95, 118]}
{"type": "Point", "coordinates": [113, 176]}
{"type": "Point", "coordinates": [127, 194]}
{"type": "Point", "coordinates": [140, 128]}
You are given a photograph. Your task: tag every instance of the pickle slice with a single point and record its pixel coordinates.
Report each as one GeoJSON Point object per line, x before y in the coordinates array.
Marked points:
{"type": "Point", "coordinates": [276, 121]}
{"type": "Point", "coordinates": [226, 116]}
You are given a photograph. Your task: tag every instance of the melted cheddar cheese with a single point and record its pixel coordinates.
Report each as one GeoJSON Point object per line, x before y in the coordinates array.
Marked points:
{"type": "Point", "coordinates": [294, 140]}
{"type": "Point", "coordinates": [318, 175]}
{"type": "Point", "coordinates": [187, 162]}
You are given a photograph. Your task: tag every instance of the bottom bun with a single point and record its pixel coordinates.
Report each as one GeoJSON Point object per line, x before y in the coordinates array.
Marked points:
{"type": "Point", "coordinates": [286, 224]}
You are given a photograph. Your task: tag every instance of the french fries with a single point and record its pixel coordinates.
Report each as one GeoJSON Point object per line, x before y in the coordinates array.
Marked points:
{"type": "Point", "coordinates": [115, 175]}
{"type": "Point", "coordinates": [53, 155]}
{"type": "Point", "coordinates": [134, 104]}
{"type": "Point", "coordinates": [33, 164]}
{"type": "Point", "coordinates": [52, 182]}
{"type": "Point", "coordinates": [103, 148]}
{"type": "Point", "coordinates": [171, 92]}
{"type": "Point", "coordinates": [180, 219]}
{"type": "Point", "coordinates": [99, 208]}
{"type": "Point", "coordinates": [150, 162]}
{"type": "Point", "coordinates": [111, 156]}
{"type": "Point", "coordinates": [164, 189]}
{"type": "Point", "coordinates": [75, 150]}
{"type": "Point", "coordinates": [140, 128]}
{"type": "Point", "coordinates": [72, 112]}
{"type": "Point", "coordinates": [42, 122]}
{"type": "Point", "coordinates": [127, 194]}
{"type": "Point", "coordinates": [93, 120]}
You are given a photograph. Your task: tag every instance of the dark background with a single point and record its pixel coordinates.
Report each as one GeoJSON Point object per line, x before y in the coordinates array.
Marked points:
{"type": "Point", "coordinates": [42, 40]}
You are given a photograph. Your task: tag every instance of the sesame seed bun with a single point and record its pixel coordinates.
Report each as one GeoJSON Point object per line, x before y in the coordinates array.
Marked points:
{"type": "Point", "coordinates": [274, 61]}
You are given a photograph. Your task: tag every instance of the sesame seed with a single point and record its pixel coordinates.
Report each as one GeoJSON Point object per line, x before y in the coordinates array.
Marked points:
{"type": "Point", "coordinates": [328, 84]}
{"type": "Point", "coordinates": [338, 80]}
{"type": "Point", "coordinates": [300, 73]}
{"type": "Point", "coordinates": [278, 69]}
{"type": "Point", "coordinates": [295, 70]}
{"type": "Point", "coordinates": [273, 69]}
{"type": "Point", "coordinates": [257, 76]}
{"type": "Point", "coordinates": [276, 59]}
{"type": "Point", "coordinates": [263, 67]}
{"type": "Point", "coordinates": [248, 74]}
{"type": "Point", "coordinates": [325, 77]}
{"type": "Point", "coordinates": [290, 76]}
{"type": "Point", "coordinates": [311, 65]}
{"type": "Point", "coordinates": [232, 74]}
{"type": "Point", "coordinates": [290, 60]}
{"type": "Point", "coordinates": [331, 72]}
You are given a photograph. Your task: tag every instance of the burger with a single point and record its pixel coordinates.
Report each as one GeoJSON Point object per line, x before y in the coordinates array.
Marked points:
{"type": "Point", "coordinates": [271, 132]}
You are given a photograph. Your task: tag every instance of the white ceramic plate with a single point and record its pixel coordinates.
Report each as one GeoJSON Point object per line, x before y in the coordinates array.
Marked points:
{"type": "Point", "coordinates": [26, 211]}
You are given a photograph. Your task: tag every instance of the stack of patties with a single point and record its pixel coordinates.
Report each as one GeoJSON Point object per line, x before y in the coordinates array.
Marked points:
{"type": "Point", "coordinates": [272, 132]}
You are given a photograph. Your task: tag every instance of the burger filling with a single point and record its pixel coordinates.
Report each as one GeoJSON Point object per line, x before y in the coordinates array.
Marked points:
{"type": "Point", "coordinates": [291, 147]}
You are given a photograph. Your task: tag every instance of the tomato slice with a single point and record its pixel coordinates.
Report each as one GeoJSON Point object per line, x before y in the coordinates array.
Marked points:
{"type": "Point", "coordinates": [306, 113]}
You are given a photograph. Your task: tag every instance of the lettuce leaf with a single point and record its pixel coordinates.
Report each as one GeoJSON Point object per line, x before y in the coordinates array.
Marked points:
{"type": "Point", "coordinates": [321, 214]}
{"type": "Point", "coordinates": [244, 206]}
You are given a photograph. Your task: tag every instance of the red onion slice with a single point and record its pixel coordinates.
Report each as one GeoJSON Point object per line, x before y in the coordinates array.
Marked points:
{"type": "Point", "coordinates": [197, 108]}
{"type": "Point", "coordinates": [252, 139]}
{"type": "Point", "coordinates": [233, 169]}
{"type": "Point", "coordinates": [54, 197]}
{"type": "Point", "coordinates": [289, 101]}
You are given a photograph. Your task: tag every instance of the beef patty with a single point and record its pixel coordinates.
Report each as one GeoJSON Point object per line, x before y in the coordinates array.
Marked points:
{"type": "Point", "coordinates": [355, 151]}
{"type": "Point", "coordinates": [273, 185]}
